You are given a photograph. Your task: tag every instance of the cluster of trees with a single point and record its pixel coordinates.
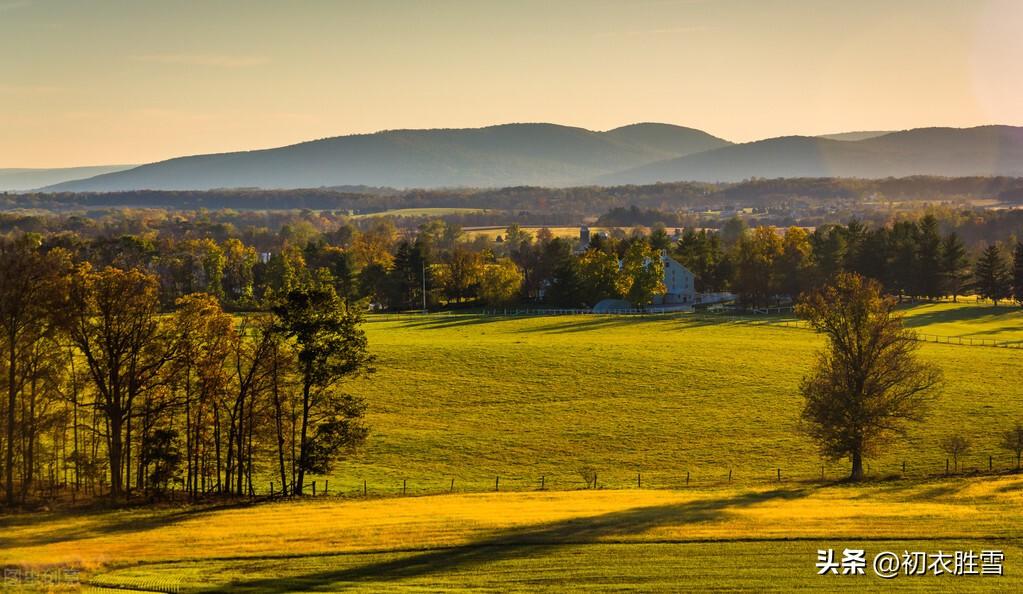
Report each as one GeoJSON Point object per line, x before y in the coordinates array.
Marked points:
{"type": "Point", "coordinates": [911, 259]}
{"type": "Point", "coordinates": [105, 385]}
{"type": "Point", "coordinates": [248, 260]}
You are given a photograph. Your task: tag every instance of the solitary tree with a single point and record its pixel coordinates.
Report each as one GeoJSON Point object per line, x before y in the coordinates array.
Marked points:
{"type": "Point", "coordinates": [868, 382]}
{"type": "Point", "coordinates": [1012, 440]}
{"type": "Point", "coordinates": [331, 347]}
{"type": "Point", "coordinates": [955, 446]}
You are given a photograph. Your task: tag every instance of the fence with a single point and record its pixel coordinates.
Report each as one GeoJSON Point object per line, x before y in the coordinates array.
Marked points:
{"type": "Point", "coordinates": [704, 478]}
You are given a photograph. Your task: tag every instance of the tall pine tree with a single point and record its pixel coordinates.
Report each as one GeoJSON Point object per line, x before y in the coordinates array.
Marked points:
{"type": "Point", "coordinates": [955, 265]}
{"type": "Point", "coordinates": [992, 275]}
{"type": "Point", "coordinates": [929, 258]}
{"type": "Point", "coordinates": [1017, 273]}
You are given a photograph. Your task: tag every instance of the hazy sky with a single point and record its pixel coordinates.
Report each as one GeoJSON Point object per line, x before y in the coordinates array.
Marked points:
{"type": "Point", "coordinates": [99, 82]}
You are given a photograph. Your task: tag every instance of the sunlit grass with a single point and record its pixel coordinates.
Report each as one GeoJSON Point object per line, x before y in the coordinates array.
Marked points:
{"type": "Point", "coordinates": [200, 547]}
{"type": "Point", "coordinates": [472, 398]}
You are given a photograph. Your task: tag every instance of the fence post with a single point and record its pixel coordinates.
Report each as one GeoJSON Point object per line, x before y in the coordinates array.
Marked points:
{"type": "Point", "coordinates": [314, 488]}
{"type": "Point", "coordinates": [729, 475]}
{"type": "Point", "coordinates": [990, 463]}
{"type": "Point", "coordinates": [271, 488]}
{"type": "Point", "coordinates": [365, 490]}
{"type": "Point", "coordinates": [822, 472]}
{"type": "Point", "coordinates": [542, 482]}
{"type": "Point", "coordinates": [497, 483]}
{"type": "Point", "coordinates": [639, 481]}
{"type": "Point", "coordinates": [452, 490]}
{"type": "Point", "coordinates": [779, 475]}
{"type": "Point", "coordinates": [404, 485]}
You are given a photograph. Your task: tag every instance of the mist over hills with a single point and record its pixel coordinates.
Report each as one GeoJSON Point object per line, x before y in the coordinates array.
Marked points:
{"type": "Point", "coordinates": [19, 179]}
{"type": "Point", "coordinates": [557, 156]}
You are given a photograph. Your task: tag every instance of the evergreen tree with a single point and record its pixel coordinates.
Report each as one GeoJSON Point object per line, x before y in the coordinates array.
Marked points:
{"type": "Point", "coordinates": [1017, 273]}
{"type": "Point", "coordinates": [992, 274]}
{"type": "Point", "coordinates": [928, 258]}
{"type": "Point", "coordinates": [954, 265]}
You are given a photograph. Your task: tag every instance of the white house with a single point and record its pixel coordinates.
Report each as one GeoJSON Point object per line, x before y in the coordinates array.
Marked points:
{"type": "Point", "coordinates": [679, 283]}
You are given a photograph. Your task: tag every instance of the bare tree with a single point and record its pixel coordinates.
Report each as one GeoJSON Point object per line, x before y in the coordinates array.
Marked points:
{"type": "Point", "coordinates": [955, 446]}
{"type": "Point", "coordinates": [868, 382]}
{"type": "Point", "coordinates": [1012, 440]}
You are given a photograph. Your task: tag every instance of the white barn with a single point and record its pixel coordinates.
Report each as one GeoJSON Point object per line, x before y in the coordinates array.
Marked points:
{"type": "Point", "coordinates": [679, 283]}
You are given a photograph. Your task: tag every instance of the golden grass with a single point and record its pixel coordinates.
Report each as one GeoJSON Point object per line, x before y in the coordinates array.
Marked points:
{"type": "Point", "coordinates": [953, 509]}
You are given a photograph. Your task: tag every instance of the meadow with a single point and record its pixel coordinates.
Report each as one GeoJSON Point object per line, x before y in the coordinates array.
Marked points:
{"type": "Point", "coordinates": [687, 421]}
{"type": "Point", "coordinates": [473, 398]}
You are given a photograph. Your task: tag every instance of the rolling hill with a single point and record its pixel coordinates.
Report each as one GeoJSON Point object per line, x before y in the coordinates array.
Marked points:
{"type": "Point", "coordinates": [985, 150]}
{"type": "Point", "coordinates": [505, 155]}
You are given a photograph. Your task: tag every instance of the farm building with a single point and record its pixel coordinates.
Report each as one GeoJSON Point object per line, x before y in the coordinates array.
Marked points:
{"type": "Point", "coordinates": [679, 283]}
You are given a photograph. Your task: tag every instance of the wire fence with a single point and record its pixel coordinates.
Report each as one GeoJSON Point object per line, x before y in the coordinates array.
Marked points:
{"type": "Point", "coordinates": [587, 478]}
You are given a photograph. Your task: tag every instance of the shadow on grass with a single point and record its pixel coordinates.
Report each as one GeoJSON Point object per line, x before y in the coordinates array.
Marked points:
{"type": "Point", "coordinates": [123, 521]}
{"type": "Point", "coordinates": [973, 314]}
{"type": "Point", "coordinates": [514, 544]}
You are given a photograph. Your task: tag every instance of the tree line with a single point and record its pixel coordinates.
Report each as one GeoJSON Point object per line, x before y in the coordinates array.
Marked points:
{"type": "Point", "coordinates": [109, 390]}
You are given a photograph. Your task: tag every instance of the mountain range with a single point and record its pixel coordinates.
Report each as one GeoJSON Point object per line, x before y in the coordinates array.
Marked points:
{"type": "Point", "coordinates": [554, 155]}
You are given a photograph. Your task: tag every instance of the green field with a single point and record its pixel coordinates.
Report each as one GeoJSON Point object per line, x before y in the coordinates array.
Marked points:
{"type": "Point", "coordinates": [472, 398]}
{"type": "Point", "coordinates": [652, 399]}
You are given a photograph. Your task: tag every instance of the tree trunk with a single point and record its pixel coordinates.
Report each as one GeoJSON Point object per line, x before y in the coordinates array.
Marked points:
{"type": "Point", "coordinates": [857, 465]}
{"type": "Point", "coordinates": [115, 455]}
{"type": "Point", "coordinates": [279, 425]}
{"type": "Point", "coordinates": [12, 394]}
{"type": "Point", "coordinates": [303, 445]}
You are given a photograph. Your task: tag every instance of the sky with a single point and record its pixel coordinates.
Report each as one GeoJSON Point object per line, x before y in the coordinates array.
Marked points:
{"type": "Point", "coordinates": [95, 82]}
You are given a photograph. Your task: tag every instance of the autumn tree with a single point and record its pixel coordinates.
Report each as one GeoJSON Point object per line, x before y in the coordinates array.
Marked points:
{"type": "Point", "coordinates": [29, 295]}
{"type": "Point", "coordinates": [644, 270]}
{"type": "Point", "coordinates": [206, 337]}
{"type": "Point", "coordinates": [331, 347]}
{"type": "Point", "coordinates": [114, 322]}
{"type": "Point", "coordinates": [868, 383]}
{"type": "Point", "coordinates": [500, 283]}
{"type": "Point", "coordinates": [756, 281]}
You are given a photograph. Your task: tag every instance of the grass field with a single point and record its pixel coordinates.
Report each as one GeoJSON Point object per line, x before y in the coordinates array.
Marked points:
{"type": "Point", "coordinates": [762, 538]}
{"type": "Point", "coordinates": [470, 398]}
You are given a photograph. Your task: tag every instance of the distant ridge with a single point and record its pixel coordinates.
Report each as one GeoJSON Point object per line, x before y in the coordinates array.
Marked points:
{"type": "Point", "coordinates": [505, 155]}
{"type": "Point", "coordinates": [553, 155]}
{"type": "Point", "coordinates": [953, 152]}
